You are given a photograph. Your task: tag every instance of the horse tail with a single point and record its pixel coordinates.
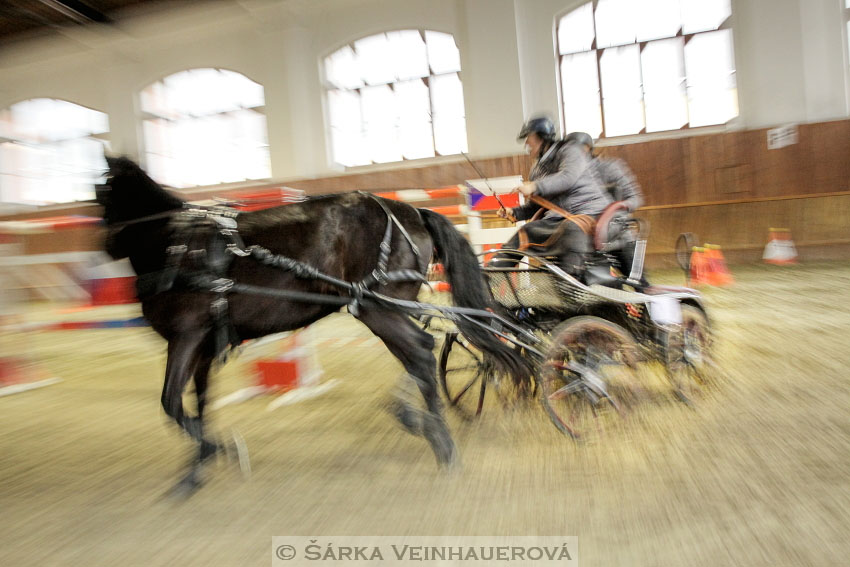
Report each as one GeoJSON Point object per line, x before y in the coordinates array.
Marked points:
{"type": "Point", "coordinates": [469, 290]}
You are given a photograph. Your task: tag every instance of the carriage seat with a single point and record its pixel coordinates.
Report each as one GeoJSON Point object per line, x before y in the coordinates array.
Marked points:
{"type": "Point", "coordinates": [611, 230]}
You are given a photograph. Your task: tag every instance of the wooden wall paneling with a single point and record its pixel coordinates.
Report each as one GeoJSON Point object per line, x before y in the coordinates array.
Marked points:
{"type": "Point", "coordinates": [830, 154]}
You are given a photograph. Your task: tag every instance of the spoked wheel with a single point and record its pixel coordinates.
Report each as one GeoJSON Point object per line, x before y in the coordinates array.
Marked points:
{"type": "Point", "coordinates": [463, 375]}
{"type": "Point", "coordinates": [589, 365]}
{"type": "Point", "coordinates": [690, 363]}
{"type": "Point", "coordinates": [684, 246]}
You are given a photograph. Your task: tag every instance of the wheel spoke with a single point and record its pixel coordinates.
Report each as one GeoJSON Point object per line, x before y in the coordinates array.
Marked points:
{"type": "Point", "coordinates": [466, 389]}
{"type": "Point", "coordinates": [462, 368]}
{"type": "Point", "coordinates": [587, 353]}
{"type": "Point", "coordinates": [566, 390]}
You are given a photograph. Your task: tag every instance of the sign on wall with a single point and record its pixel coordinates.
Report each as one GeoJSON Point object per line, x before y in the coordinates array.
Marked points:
{"type": "Point", "coordinates": [781, 137]}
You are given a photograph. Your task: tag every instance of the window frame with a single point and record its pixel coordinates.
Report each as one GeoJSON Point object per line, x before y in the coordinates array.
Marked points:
{"type": "Point", "coordinates": [328, 86]}
{"type": "Point", "coordinates": [102, 137]}
{"type": "Point", "coordinates": [727, 25]}
{"type": "Point", "coordinates": [144, 116]}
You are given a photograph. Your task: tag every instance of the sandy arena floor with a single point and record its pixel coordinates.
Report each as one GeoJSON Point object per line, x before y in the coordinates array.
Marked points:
{"type": "Point", "coordinates": [755, 474]}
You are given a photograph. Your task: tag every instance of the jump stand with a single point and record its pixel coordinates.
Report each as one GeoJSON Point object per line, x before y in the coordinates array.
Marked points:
{"type": "Point", "coordinates": [294, 375]}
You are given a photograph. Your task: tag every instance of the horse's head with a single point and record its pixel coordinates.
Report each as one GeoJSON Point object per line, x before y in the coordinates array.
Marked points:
{"type": "Point", "coordinates": [129, 194]}
{"type": "Point", "coordinates": [129, 199]}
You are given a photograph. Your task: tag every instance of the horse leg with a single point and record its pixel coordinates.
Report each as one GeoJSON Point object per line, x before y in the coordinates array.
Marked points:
{"type": "Point", "coordinates": [413, 347]}
{"type": "Point", "coordinates": [185, 359]}
{"type": "Point", "coordinates": [206, 448]}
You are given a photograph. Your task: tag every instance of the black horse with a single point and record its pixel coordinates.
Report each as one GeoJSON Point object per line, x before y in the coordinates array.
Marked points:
{"type": "Point", "coordinates": [338, 235]}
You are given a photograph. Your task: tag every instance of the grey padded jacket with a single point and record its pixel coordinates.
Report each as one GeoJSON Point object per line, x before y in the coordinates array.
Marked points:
{"type": "Point", "coordinates": [563, 175]}
{"type": "Point", "coordinates": [617, 178]}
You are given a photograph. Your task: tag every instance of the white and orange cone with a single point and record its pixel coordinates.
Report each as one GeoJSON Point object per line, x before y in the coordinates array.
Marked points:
{"type": "Point", "coordinates": [780, 249]}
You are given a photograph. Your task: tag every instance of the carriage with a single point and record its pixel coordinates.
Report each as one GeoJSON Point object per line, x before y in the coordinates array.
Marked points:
{"type": "Point", "coordinates": [210, 278]}
{"type": "Point", "coordinates": [588, 340]}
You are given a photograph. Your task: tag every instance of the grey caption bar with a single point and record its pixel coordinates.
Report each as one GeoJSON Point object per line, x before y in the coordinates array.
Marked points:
{"type": "Point", "coordinates": [443, 551]}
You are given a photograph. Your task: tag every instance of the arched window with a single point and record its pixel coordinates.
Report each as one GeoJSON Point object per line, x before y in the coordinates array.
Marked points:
{"type": "Point", "coordinates": [203, 127]}
{"type": "Point", "coordinates": [634, 66]}
{"type": "Point", "coordinates": [51, 151]}
{"type": "Point", "coordinates": [395, 96]}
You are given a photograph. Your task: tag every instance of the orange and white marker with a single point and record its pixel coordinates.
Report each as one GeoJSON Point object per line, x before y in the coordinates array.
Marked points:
{"type": "Point", "coordinates": [294, 374]}
{"type": "Point", "coordinates": [780, 249]}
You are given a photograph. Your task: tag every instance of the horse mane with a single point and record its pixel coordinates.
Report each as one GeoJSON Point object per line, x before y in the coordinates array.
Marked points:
{"type": "Point", "coordinates": [133, 194]}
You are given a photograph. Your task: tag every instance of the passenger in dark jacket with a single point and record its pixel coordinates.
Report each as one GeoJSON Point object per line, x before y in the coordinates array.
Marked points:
{"type": "Point", "coordinates": [620, 182]}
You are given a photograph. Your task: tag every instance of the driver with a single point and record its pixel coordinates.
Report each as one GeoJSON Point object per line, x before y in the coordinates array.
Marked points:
{"type": "Point", "coordinates": [574, 198]}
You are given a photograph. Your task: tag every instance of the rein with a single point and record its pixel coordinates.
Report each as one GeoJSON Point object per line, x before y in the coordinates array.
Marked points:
{"type": "Point", "coordinates": [584, 222]}
{"type": "Point", "coordinates": [211, 278]}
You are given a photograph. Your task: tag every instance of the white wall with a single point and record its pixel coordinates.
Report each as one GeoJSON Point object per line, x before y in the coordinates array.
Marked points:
{"type": "Point", "coordinates": [790, 60]}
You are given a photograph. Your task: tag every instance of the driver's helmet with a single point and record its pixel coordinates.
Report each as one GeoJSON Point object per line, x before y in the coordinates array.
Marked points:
{"type": "Point", "coordinates": [582, 138]}
{"type": "Point", "coordinates": [542, 126]}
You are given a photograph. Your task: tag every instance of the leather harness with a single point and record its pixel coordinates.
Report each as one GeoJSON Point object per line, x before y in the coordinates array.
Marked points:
{"type": "Point", "coordinates": [585, 222]}
{"type": "Point", "coordinates": [207, 239]}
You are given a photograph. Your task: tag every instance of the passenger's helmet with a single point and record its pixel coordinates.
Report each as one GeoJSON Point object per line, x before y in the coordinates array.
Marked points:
{"type": "Point", "coordinates": [581, 138]}
{"type": "Point", "coordinates": [542, 126]}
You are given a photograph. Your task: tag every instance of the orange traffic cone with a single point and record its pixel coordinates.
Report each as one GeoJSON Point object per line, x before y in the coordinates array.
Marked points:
{"type": "Point", "coordinates": [780, 248]}
{"type": "Point", "coordinates": [718, 272]}
{"type": "Point", "coordinates": [699, 267]}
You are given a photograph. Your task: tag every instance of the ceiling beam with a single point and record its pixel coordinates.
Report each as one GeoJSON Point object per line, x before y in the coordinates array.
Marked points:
{"type": "Point", "coordinates": [76, 10]}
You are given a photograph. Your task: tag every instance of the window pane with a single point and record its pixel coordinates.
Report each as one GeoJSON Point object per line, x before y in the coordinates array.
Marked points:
{"type": "Point", "coordinates": [448, 113]}
{"type": "Point", "coordinates": [245, 92]}
{"type": "Point", "coordinates": [379, 123]}
{"type": "Point", "coordinates": [49, 154]}
{"type": "Point", "coordinates": [615, 22]}
{"type": "Point", "coordinates": [710, 65]}
{"type": "Point", "coordinates": [408, 51]}
{"type": "Point", "coordinates": [664, 85]}
{"type": "Point", "coordinates": [342, 69]}
{"type": "Point", "coordinates": [376, 60]}
{"type": "Point", "coordinates": [575, 30]}
{"type": "Point", "coordinates": [450, 135]}
{"type": "Point", "coordinates": [657, 18]}
{"type": "Point", "coordinates": [208, 133]}
{"type": "Point", "coordinates": [580, 89]}
{"type": "Point", "coordinates": [443, 53]}
{"type": "Point", "coordinates": [346, 128]}
{"type": "Point", "coordinates": [704, 15]}
{"type": "Point", "coordinates": [447, 95]}
{"type": "Point", "coordinates": [621, 90]}
{"type": "Point", "coordinates": [346, 134]}
{"type": "Point", "coordinates": [411, 106]}
{"type": "Point", "coordinates": [414, 106]}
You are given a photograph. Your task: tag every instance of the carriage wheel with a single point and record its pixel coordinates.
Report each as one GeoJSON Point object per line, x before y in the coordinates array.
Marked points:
{"type": "Point", "coordinates": [690, 363]}
{"type": "Point", "coordinates": [463, 375]}
{"type": "Point", "coordinates": [684, 246]}
{"type": "Point", "coordinates": [589, 365]}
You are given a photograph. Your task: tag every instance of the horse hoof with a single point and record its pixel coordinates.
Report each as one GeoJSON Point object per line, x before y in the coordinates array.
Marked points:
{"type": "Point", "coordinates": [447, 457]}
{"type": "Point", "coordinates": [186, 487]}
{"type": "Point", "coordinates": [208, 450]}
{"type": "Point", "coordinates": [437, 434]}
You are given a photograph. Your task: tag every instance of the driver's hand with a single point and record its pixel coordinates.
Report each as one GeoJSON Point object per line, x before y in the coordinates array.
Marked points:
{"type": "Point", "coordinates": [502, 213]}
{"type": "Point", "coordinates": [527, 188]}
